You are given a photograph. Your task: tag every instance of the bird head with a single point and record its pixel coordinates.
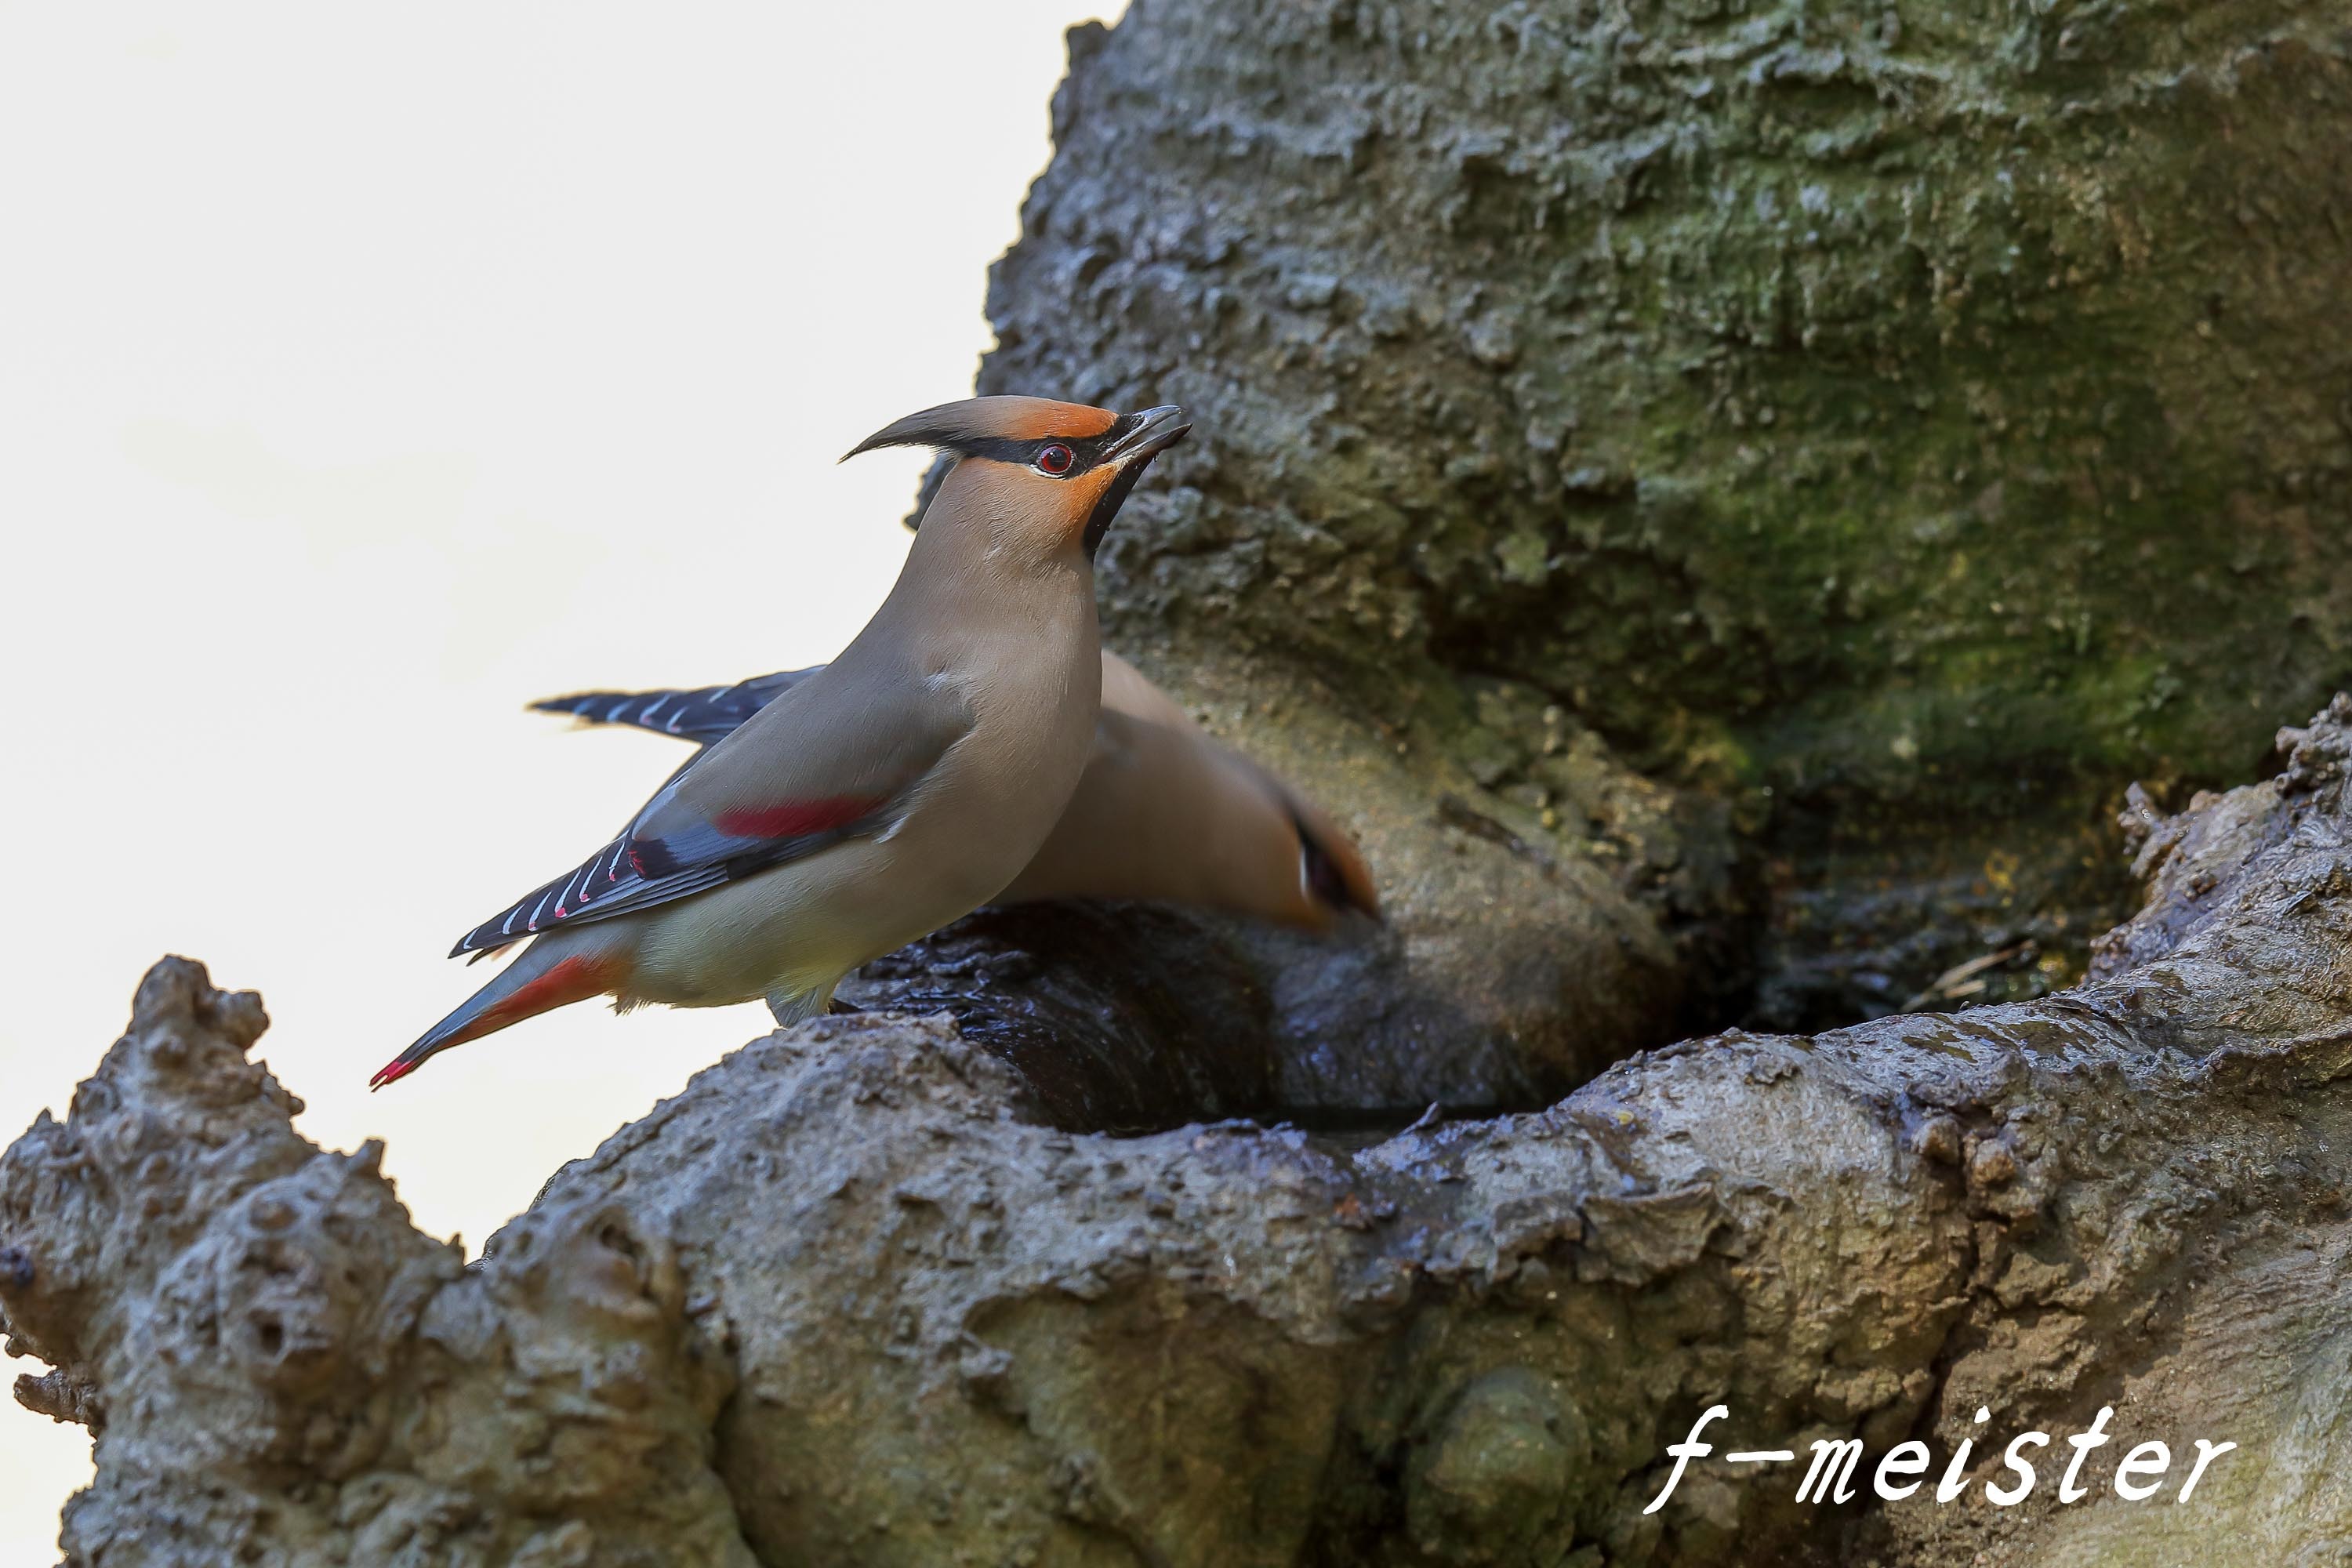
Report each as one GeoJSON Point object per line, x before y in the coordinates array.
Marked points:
{"type": "Point", "coordinates": [1056, 471]}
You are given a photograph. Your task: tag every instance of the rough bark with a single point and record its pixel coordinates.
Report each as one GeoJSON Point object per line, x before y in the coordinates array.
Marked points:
{"type": "Point", "coordinates": [1873, 433]}
{"type": "Point", "coordinates": [278, 1369]}
{"type": "Point", "coordinates": [1718, 495]}
{"type": "Point", "coordinates": [846, 1301]}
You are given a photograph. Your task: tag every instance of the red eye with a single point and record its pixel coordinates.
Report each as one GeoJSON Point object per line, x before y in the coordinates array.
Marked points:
{"type": "Point", "coordinates": [1055, 460]}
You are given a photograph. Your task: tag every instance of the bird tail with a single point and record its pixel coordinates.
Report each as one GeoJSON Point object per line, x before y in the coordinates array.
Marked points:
{"type": "Point", "coordinates": [554, 970]}
{"type": "Point", "coordinates": [702, 715]}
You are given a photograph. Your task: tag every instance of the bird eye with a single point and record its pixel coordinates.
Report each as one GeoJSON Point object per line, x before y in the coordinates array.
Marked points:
{"type": "Point", "coordinates": [1055, 460]}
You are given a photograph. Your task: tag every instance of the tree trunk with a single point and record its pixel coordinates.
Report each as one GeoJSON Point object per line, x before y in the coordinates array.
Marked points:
{"type": "Point", "coordinates": [1720, 498]}
{"type": "Point", "coordinates": [1890, 430]}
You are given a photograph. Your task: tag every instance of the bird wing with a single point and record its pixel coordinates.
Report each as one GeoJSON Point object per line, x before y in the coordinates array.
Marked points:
{"type": "Point", "coordinates": [827, 760]}
{"type": "Point", "coordinates": [701, 715]}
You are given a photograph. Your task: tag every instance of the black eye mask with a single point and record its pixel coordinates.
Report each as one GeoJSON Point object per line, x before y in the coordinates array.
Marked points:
{"type": "Point", "coordinates": [1089, 453]}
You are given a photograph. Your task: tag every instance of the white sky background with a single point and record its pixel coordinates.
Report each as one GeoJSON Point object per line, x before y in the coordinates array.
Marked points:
{"type": "Point", "coordinates": [366, 372]}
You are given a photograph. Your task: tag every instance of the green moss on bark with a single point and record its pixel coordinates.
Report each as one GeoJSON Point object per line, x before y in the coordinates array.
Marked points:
{"type": "Point", "coordinates": [1934, 415]}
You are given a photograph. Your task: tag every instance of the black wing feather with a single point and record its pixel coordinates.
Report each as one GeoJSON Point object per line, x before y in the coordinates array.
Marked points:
{"type": "Point", "coordinates": [669, 850]}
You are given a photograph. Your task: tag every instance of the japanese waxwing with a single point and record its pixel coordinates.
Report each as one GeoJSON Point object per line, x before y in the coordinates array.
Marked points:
{"type": "Point", "coordinates": [896, 790]}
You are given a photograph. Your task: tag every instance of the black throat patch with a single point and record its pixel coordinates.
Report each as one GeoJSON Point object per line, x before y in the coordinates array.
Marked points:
{"type": "Point", "coordinates": [1107, 505]}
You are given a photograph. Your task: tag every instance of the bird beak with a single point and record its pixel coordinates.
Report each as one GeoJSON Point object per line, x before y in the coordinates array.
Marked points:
{"type": "Point", "coordinates": [1156, 430]}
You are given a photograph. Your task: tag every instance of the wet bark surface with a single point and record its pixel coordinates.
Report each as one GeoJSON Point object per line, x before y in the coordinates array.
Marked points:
{"type": "Point", "coordinates": [1115, 1018]}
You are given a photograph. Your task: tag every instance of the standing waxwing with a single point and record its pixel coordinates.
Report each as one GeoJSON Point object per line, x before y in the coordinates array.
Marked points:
{"type": "Point", "coordinates": [899, 788]}
{"type": "Point", "coordinates": [1164, 810]}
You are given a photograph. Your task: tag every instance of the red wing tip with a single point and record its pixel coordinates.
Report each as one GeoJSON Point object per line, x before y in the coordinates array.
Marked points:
{"type": "Point", "coordinates": [391, 1072]}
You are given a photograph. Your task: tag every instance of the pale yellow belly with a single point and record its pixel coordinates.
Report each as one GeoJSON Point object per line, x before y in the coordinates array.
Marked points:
{"type": "Point", "coordinates": [800, 927]}
{"type": "Point", "coordinates": [980, 816]}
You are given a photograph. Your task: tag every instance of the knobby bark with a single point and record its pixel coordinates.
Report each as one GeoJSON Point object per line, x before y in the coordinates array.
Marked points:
{"type": "Point", "coordinates": [852, 1298]}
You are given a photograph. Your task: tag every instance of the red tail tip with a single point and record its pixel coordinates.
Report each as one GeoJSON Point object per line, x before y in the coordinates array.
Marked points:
{"type": "Point", "coordinates": [391, 1072]}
